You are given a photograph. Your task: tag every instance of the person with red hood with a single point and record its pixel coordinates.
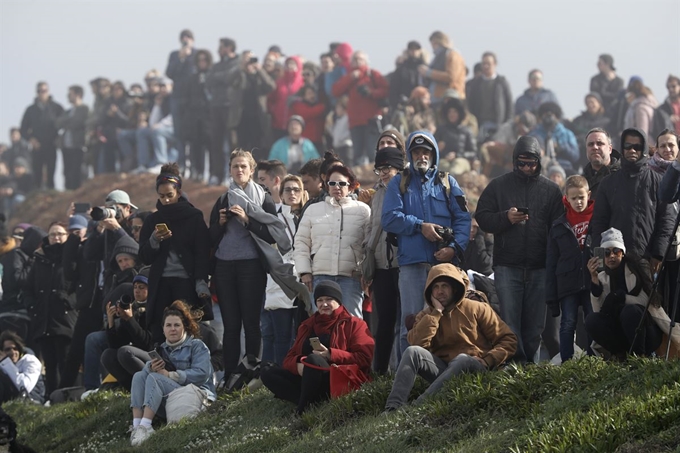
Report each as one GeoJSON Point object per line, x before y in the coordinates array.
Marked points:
{"type": "Point", "coordinates": [331, 336]}
{"type": "Point", "coordinates": [366, 89]}
{"type": "Point", "coordinates": [278, 101]}
{"type": "Point", "coordinates": [567, 277]}
{"type": "Point", "coordinates": [342, 58]}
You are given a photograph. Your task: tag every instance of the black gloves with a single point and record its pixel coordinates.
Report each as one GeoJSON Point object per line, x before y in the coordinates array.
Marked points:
{"type": "Point", "coordinates": [613, 303]}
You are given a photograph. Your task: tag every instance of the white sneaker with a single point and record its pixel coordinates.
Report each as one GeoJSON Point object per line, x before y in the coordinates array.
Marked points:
{"type": "Point", "coordinates": [140, 434]}
{"type": "Point", "coordinates": [87, 394]}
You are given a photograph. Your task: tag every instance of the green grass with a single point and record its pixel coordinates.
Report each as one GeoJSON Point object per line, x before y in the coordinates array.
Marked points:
{"type": "Point", "coordinates": [586, 405]}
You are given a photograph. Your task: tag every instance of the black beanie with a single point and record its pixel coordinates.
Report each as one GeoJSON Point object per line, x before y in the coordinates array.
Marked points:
{"type": "Point", "coordinates": [389, 156]}
{"type": "Point", "coordinates": [329, 289]}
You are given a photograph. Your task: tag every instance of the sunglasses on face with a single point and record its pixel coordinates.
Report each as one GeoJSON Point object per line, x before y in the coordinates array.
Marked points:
{"type": "Point", "coordinates": [636, 146]}
{"type": "Point", "coordinates": [338, 183]}
{"type": "Point", "coordinates": [522, 164]}
{"type": "Point", "coordinates": [292, 189]}
{"type": "Point", "coordinates": [615, 252]}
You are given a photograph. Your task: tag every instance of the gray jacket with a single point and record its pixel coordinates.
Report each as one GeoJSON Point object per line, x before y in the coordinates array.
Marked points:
{"type": "Point", "coordinates": [73, 122]}
{"type": "Point", "coordinates": [385, 254]}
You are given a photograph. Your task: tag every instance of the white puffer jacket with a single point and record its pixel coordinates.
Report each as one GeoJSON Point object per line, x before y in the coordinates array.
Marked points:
{"type": "Point", "coordinates": [330, 237]}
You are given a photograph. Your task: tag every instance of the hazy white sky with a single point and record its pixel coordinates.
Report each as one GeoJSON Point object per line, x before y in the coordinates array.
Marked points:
{"type": "Point", "coordinates": [71, 42]}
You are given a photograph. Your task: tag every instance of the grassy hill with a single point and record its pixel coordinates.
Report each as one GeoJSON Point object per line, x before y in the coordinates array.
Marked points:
{"type": "Point", "coordinates": [583, 406]}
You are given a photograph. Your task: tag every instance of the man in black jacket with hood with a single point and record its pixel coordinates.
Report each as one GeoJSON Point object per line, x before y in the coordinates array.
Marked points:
{"type": "Point", "coordinates": [518, 208]}
{"type": "Point", "coordinates": [628, 201]}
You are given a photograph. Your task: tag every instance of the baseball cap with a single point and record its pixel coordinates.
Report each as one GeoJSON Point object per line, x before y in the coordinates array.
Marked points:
{"type": "Point", "coordinates": [119, 197]}
{"type": "Point", "coordinates": [420, 141]}
{"type": "Point", "coordinates": [77, 222]}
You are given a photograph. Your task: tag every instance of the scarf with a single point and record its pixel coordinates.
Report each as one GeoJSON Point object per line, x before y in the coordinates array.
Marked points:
{"type": "Point", "coordinates": [634, 167]}
{"type": "Point", "coordinates": [323, 324]}
{"type": "Point", "coordinates": [253, 191]}
{"type": "Point", "coordinates": [659, 164]}
{"type": "Point", "coordinates": [579, 221]}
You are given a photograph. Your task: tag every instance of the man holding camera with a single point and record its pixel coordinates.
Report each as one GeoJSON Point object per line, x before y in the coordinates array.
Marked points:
{"type": "Point", "coordinates": [518, 208]}
{"type": "Point", "coordinates": [422, 205]}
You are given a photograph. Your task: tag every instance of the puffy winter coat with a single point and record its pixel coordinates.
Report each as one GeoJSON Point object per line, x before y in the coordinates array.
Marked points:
{"type": "Point", "coordinates": [520, 245]}
{"type": "Point", "coordinates": [425, 200]}
{"type": "Point", "coordinates": [330, 237]}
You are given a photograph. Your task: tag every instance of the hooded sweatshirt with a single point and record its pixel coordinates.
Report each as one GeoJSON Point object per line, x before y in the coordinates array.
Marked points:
{"type": "Point", "coordinates": [464, 327]}
{"type": "Point", "coordinates": [287, 86]}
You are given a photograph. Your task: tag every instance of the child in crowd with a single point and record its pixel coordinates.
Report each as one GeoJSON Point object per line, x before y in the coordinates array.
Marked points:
{"type": "Point", "coordinates": [567, 277]}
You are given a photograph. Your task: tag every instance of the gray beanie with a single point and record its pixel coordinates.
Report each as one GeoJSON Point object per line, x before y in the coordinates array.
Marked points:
{"type": "Point", "coordinates": [612, 238]}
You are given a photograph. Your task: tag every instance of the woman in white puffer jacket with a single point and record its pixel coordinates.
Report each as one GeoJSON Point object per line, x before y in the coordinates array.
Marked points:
{"type": "Point", "coordinates": [328, 243]}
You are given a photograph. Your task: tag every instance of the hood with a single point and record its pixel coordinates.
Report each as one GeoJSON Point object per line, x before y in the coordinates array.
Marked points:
{"type": "Point", "coordinates": [453, 103]}
{"type": "Point", "coordinates": [634, 167]}
{"type": "Point", "coordinates": [458, 279]}
{"type": "Point", "coordinates": [526, 145]}
{"type": "Point", "coordinates": [345, 52]}
{"type": "Point", "coordinates": [33, 237]}
{"type": "Point", "coordinates": [293, 77]}
{"type": "Point", "coordinates": [427, 136]}
{"type": "Point", "coordinates": [640, 133]}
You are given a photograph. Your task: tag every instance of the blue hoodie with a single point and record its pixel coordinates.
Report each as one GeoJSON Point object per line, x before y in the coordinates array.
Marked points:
{"type": "Point", "coordinates": [424, 201]}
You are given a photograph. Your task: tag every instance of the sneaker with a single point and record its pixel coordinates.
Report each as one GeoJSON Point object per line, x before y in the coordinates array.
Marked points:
{"type": "Point", "coordinates": [87, 394]}
{"type": "Point", "coordinates": [140, 434]}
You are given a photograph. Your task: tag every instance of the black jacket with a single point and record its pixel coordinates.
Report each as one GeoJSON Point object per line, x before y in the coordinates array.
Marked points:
{"type": "Point", "coordinates": [73, 120]}
{"type": "Point", "coordinates": [628, 201]}
{"type": "Point", "coordinates": [39, 122]}
{"type": "Point", "coordinates": [404, 79]}
{"type": "Point", "coordinates": [566, 264]}
{"type": "Point", "coordinates": [456, 138]}
{"type": "Point", "coordinates": [82, 274]}
{"type": "Point", "coordinates": [190, 240]}
{"type": "Point", "coordinates": [662, 118]}
{"type": "Point", "coordinates": [595, 177]}
{"type": "Point", "coordinates": [133, 331]}
{"type": "Point", "coordinates": [14, 276]}
{"type": "Point", "coordinates": [503, 103]}
{"type": "Point", "coordinates": [478, 255]}
{"type": "Point", "coordinates": [50, 306]}
{"type": "Point", "coordinates": [520, 245]}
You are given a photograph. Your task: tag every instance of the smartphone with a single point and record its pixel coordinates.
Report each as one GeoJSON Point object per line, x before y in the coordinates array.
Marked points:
{"type": "Point", "coordinates": [523, 210]}
{"type": "Point", "coordinates": [155, 355]}
{"type": "Point", "coordinates": [81, 208]}
{"type": "Point", "coordinates": [161, 228]}
{"type": "Point", "coordinates": [316, 344]}
{"type": "Point", "coordinates": [598, 252]}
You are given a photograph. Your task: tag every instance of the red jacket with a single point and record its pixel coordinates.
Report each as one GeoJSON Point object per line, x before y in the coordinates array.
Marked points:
{"type": "Point", "coordinates": [315, 119]}
{"type": "Point", "coordinates": [351, 342]}
{"type": "Point", "coordinates": [362, 109]}
{"type": "Point", "coordinates": [278, 100]}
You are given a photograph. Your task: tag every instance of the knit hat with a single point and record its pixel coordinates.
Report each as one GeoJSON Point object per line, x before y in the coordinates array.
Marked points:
{"type": "Point", "coordinates": [594, 95]}
{"type": "Point", "coordinates": [143, 276]}
{"type": "Point", "coordinates": [394, 135]}
{"type": "Point", "coordinates": [297, 118]}
{"type": "Point", "coordinates": [612, 238]}
{"type": "Point", "coordinates": [328, 289]}
{"type": "Point", "coordinates": [389, 156]}
{"type": "Point", "coordinates": [126, 245]}
{"type": "Point", "coordinates": [77, 222]}
{"type": "Point", "coordinates": [555, 168]}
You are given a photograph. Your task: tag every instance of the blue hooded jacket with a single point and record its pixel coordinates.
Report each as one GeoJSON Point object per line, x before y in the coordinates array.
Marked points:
{"type": "Point", "coordinates": [424, 202]}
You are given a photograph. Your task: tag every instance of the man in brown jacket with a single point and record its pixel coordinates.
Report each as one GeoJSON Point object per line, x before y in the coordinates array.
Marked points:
{"type": "Point", "coordinates": [452, 335]}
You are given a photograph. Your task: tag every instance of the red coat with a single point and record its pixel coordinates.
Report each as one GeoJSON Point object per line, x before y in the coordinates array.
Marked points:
{"type": "Point", "coordinates": [362, 109]}
{"type": "Point", "coordinates": [278, 100]}
{"type": "Point", "coordinates": [315, 119]}
{"type": "Point", "coordinates": [351, 342]}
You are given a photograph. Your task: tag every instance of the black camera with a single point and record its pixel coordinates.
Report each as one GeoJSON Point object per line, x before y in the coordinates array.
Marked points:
{"type": "Point", "coordinates": [252, 60]}
{"type": "Point", "coordinates": [447, 236]}
{"type": "Point", "coordinates": [125, 302]}
{"type": "Point", "coordinates": [104, 212]}
{"type": "Point", "coordinates": [364, 90]}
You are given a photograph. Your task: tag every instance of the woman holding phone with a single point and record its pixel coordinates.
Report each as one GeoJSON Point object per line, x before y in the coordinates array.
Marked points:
{"type": "Point", "coordinates": [174, 241]}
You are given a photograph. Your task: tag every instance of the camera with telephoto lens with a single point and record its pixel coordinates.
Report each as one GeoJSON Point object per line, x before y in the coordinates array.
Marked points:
{"type": "Point", "coordinates": [125, 302]}
{"type": "Point", "coordinates": [447, 236]}
{"type": "Point", "coordinates": [105, 212]}
{"type": "Point", "coordinates": [364, 90]}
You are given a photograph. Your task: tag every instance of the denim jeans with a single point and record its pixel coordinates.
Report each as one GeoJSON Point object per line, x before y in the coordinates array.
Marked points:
{"type": "Point", "coordinates": [570, 306]}
{"type": "Point", "coordinates": [419, 361]}
{"type": "Point", "coordinates": [352, 296]}
{"type": "Point", "coordinates": [95, 345]}
{"type": "Point", "coordinates": [412, 279]}
{"type": "Point", "coordinates": [158, 140]}
{"type": "Point", "coordinates": [277, 334]}
{"type": "Point", "coordinates": [150, 389]}
{"type": "Point", "coordinates": [521, 293]}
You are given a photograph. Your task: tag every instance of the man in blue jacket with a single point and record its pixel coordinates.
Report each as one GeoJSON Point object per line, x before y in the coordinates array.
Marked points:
{"type": "Point", "coordinates": [418, 204]}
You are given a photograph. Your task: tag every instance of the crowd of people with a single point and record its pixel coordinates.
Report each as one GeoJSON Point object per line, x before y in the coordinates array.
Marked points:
{"type": "Point", "coordinates": [491, 228]}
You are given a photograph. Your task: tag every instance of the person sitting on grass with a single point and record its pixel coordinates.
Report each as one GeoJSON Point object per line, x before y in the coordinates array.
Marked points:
{"type": "Point", "coordinates": [21, 371]}
{"type": "Point", "coordinates": [452, 335]}
{"type": "Point", "coordinates": [183, 353]}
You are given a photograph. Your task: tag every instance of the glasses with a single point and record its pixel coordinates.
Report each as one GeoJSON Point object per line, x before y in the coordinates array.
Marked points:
{"type": "Point", "coordinates": [292, 189]}
{"type": "Point", "coordinates": [338, 183]}
{"type": "Point", "coordinates": [9, 349]}
{"type": "Point", "coordinates": [384, 169]}
{"type": "Point", "coordinates": [57, 235]}
{"type": "Point", "coordinates": [615, 252]}
{"type": "Point", "coordinates": [136, 227]}
{"type": "Point", "coordinates": [522, 164]}
{"type": "Point", "coordinates": [636, 146]}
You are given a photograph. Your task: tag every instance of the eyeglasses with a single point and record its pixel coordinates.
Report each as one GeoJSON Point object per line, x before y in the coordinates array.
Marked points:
{"type": "Point", "coordinates": [522, 164]}
{"type": "Point", "coordinates": [384, 169]}
{"type": "Point", "coordinates": [636, 146]}
{"type": "Point", "coordinates": [57, 235]}
{"type": "Point", "coordinates": [292, 189]}
{"type": "Point", "coordinates": [9, 349]}
{"type": "Point", "coordinates": [338, 183]}
{"type": "Point", "coordinates": [136, 227]}
{"type": "Point", "coordinates": [615, 252]}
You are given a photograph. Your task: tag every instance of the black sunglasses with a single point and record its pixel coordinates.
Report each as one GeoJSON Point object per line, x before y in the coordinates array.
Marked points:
{"type": "Point", "coordinates": [615, 252]}
{"type": "Point", "coordinates": [522, 164]}
{"type": "Point", "coordinates": [635, 146]}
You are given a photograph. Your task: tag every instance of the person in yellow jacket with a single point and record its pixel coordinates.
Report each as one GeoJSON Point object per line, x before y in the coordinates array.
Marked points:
{"type": "Point", "coordinates": [452, 335]}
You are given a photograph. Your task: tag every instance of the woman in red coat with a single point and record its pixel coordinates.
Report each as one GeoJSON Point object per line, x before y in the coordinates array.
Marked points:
{"type": "Point", "coordinates": [279, 100]}
{"type": "Point", "coordinates": [342, 340]}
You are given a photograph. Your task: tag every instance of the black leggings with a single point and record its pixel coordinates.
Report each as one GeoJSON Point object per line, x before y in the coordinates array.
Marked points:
{"type": "Point", "coordinates": [387, 306]}
{"type": "Point", "coordinates": [240, 286]}
{"type": "Point", "coordinates": [54, 350]}
{"type": "Point", "coordinates": [8, 391]}
{"type": "Point", "coordinates": [89, 320]}
{"type": "Point", "coordinates": [616, 334]}
{"type": "Point", "coordinates": [313, 386]}
{"type": "Point", "coordinates": [169, 289]}
{"type": "Point", "coordinates": [124, 362]}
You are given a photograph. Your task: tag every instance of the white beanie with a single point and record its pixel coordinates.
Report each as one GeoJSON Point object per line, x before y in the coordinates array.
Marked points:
{"type": "Point", "coordinates": [612, 238]}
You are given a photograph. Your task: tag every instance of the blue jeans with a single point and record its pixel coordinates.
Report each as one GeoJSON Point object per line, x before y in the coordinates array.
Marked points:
{"type": "Point", "coordinates": [352, 296]}
{"type": "Point", "coordinates": [150, 389]}
{"type": "Point", "coordinates": [126, 142]}
{"type": "Point", "coordinates": [521, 293]}
{"type": "Point", "coordinates": [95, 345]}
{"type": "Point", "coordinates": [412, 279]}
{"type": "Point", "coordinates": [277, 334]}
{"type": "Point", "coordinates": [570, 306]}
{"type": "Point", "coordinates": [152, 145]}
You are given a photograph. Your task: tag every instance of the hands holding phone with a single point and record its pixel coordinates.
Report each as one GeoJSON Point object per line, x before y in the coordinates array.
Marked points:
{"type": "Point", "coordinates": [517, 215]}
{"type": "Point", "coordinates": [319, 348]}
{"type": "Point", "coordinates": [161, 232]}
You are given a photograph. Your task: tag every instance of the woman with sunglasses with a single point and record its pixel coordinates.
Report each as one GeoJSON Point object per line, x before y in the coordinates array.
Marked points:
{"type": "Point", "coordinates": [21, 370]}
{"type": "Point", "coordinates": [328, 244]}
{"type": "Point", "coordinates": [619, 295]}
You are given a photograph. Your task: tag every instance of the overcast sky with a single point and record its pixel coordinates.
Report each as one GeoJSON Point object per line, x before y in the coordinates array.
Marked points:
{"type": "Point", "coordinates": [71, 42]}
